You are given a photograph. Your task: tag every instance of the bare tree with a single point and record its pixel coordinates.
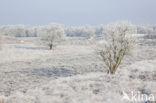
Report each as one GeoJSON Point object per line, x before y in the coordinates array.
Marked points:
{"type": "Point", "coordinates": [52, 34]}
{"type": "Point", "coordinates": [118, 44]}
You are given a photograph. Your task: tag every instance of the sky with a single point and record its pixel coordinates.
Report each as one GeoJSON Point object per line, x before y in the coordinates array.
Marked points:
{"type": "Point", "coordinates": [76, 12]}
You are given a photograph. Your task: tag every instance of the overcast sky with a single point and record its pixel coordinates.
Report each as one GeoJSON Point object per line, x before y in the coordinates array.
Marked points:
{"type": "Point", "coordinates": [76, 12]}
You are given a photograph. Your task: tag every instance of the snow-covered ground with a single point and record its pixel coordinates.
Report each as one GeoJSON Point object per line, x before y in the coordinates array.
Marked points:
{"type": "Point", "coordinates": [73, 73]}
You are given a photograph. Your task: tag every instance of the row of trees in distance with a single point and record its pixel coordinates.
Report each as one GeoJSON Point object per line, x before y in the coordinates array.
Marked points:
{"type": "Point", "coordinates": [73, 31]}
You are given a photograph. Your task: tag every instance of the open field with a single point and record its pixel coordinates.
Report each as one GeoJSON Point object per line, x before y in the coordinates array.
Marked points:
{"type": "Point", "coordinates": [72, 72]}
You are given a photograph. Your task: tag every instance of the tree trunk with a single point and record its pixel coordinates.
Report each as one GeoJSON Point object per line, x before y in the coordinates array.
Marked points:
{"type": "Point", "coordinates": [51, 46]}
{"type": "Point", "coordinates": [113, 72]}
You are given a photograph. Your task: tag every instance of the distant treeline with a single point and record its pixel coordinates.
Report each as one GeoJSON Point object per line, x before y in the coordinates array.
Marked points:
{"type": "Point", "coordinates": [73, 31]}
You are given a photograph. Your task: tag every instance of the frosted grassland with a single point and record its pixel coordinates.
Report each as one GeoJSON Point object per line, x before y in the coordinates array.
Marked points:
{"type": "Point", "coordinates": [72, 72]}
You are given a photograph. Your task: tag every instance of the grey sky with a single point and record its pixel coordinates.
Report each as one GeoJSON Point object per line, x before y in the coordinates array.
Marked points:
{"type": "Point", "coordinates": [76, 12]}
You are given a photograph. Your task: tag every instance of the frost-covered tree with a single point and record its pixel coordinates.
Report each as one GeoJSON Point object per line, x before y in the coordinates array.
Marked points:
{"type": "Point", "coordinates": [31, 32]}
{"type": "Point", "coordinates": [18, 31]}
{"type": "Point", "coordinates": [81, 31]}
{"type": "Point", "coordinates": [118, 44]}
{"type": "Point", "coordinates": [145, 29]}
{"type": "Point", "coordinates": [13, 30]}
{"type": "Point", "coordinates": [100, 30]}
{"type": "Point", "coordinates": [52, 34]}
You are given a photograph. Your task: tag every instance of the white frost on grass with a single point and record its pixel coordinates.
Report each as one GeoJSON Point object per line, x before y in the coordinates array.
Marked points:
{"type": "Point", "coordinates": [72, 73]}
{"type": "Point", "coordinates": [92, 87]}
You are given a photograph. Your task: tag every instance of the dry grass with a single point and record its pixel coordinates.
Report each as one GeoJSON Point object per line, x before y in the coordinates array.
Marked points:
{"type": "Point", "coordinates": [2, 101]}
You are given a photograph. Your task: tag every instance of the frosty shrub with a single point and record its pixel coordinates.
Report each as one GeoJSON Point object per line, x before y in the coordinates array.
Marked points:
{"type": "Point", "coordinates": [118, 43]}
{"type": "Point", "coordinates": [52, 34]}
